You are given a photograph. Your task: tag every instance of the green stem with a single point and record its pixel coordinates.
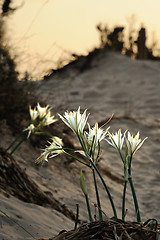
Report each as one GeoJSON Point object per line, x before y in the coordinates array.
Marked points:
{"type": "Point", "coordinates": [14, 149]}
{"type": "Point", "coordinates": [135, 199]}
{"type": "Point", "coordinates": [68, 154]}
{"type": "Point", "coordinates": [84, 144]}
{"type": "Point", "coordinates": [81, 140]}
{"type": "Point", "coordinates": [91, 152]}
{"type": "Point", "coordinates": [123, 201]}
{"type": "Point", "coordinates": [88, 208]}
{"type": "Point", "coordinates": [97, 195]}
{"type": "Point", "coordinates": [43, 133]}
{"type": "Point", "coordinates": [94, 148]}
{"type": "Point", "coordinates": [121, 155]}
{"type": "Point", "coordinates": [108, 192]}
{"type": "Point", "coordinates": [105, 186]}
{"type": "Point", "coordinates": [14, 141]}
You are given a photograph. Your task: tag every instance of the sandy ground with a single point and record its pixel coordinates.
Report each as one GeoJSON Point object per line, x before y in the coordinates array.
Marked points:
{"type": "Point", "coordinates": [108, 83]}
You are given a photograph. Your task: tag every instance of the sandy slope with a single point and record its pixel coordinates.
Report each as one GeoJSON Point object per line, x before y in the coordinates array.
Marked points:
{"type": "Point", "coordinates": [108, 83]}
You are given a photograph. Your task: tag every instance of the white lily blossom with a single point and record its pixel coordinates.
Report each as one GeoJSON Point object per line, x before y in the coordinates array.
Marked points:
{"type": "Point", "coordinates": [57, 140]}
{"type": "Point", "coordinates": [42, 158]}
{"type": "Point", "coordinates": [41, 115]}
{"type": "Point", "coordinates": [75, 120]}
{"type": "Point", "coordinates": [133, 143]}
{"type": "Point", "coordinates": [48, 119]}
{"type": "Point", "coordinates": [54, 149]}
{"type": "Point", "coordinates": [95, 135]}
{"type": "Point", "coordinates": [31, 128]}
{"type": "Point", "coordinates": [42, 111]}
{"type": "Point", "coordinates": [116, 140]}
{"type": "Point", "coordinates": [33, 113]}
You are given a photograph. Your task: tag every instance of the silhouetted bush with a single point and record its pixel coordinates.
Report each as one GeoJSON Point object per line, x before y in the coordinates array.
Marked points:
{"type": "Point", "coordinates": [135, 47]}
{"type": "Point", "coordinates": [13, 96]}
{"type": "Point", "coordinates": [111, 39]}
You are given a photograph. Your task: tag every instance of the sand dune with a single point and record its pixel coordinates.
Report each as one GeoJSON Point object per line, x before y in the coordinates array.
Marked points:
{"type": "Point", "coordinates": [108, 83]}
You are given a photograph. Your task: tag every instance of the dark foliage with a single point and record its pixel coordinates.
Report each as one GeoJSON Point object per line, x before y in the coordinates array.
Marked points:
{"type": "Point", "coordinates": [114, 40]}
{"type": "Point", "coordinates": [111, 39]}
{"type": "Point", "coordinates": [6, 7]}
{"type": "Point", "coordinates": [13, 94]}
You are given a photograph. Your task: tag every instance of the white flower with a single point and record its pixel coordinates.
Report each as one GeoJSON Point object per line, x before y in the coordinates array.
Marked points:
{"type": "Point", "coordinates": [75, 120]}
{"type": "Point", "coordinates": [42, 158]}
{"type": "Point", "coordinates": [55, 148]}
{"type": "Point", "coordinates": [133, 143]}
{"type": "Point", "coordinates": [94, 136]}
{"type": "Point", "coordinates": [116, 140]}
{"type": "Point", "coordinates": [57, 140]}
{"type": "Point", "coordinates": [31, 129]}
{"type": "Point", "coordinates": [42, 111]}
{"type": "Point", "coordinates": [48, 119]}
{"type": "Point", "coordinates": [33, 113]}
{"type": "Point", "coordinates": [43, 114]}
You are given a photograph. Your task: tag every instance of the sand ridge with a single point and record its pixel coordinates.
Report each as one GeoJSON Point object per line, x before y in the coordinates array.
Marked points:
{"type": "Point", "coordinates": [112, 83]}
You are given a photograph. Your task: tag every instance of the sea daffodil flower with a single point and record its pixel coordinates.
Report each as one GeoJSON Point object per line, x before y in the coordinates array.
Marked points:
{"type": "Point", "coordinates": [42, 158]}
{"type": "Point", "coordinates": [55, 148]}
{"type": "Point", "coordinates": [41, 116]}
{"type": "Point", "coordinates": [95, 133]}
{"type": "Point", "coordinates": [33, 113]}
{"type": "Point", "coordinates": [75, 120]}
{"type": "Point", "coordinates": [133, 143]}
{"type": "Point", "coordinates": [48, 119]}
{"type": "Point", "coordinates": [116, 140]}
{"type": "Point", "coordinates": [42, 111]}
{"type": "Point", "coordinates": [31, 128]}
{"type": "Point", "coordinates": [94, 136]}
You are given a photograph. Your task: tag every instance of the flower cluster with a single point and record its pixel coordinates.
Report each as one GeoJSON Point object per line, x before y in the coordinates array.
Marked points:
{"type": "Point", "coordinates": [89, 140]}
{"type": "Point", "coordinates": [52, 150]}
{"type": "Point", "coordinates": [132, 144]}
{"type": "Point", "coordinates": [40, 117]}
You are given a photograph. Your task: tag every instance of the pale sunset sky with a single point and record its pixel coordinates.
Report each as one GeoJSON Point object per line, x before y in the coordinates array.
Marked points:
{"type": "Point", "coordinates": [41, 29]}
